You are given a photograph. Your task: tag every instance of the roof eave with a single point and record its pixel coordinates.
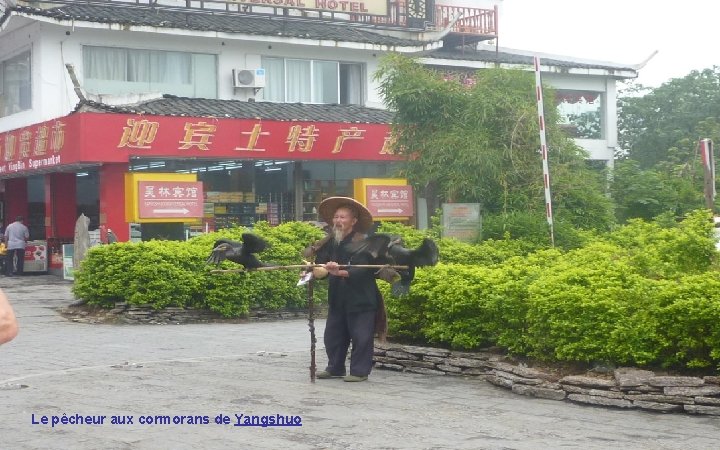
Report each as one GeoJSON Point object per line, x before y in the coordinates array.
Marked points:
{"type": "Point", "coordinates": [547, 68]}
{"type": "Point", "coordinates": [115, 26]}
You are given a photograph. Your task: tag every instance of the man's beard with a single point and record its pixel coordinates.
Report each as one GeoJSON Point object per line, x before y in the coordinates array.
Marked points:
{"type": "Point", "coordinates": [338, 234]}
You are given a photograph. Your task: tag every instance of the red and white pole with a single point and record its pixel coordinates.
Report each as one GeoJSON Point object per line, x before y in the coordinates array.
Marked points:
{"type": "Point", "coordinates": [544, 150]}
{"type": "Point", "coordinates": [708, 160]}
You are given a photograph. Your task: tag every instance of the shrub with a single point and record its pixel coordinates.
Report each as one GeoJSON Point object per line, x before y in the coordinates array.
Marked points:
{"type": "Point", "coordinates": [171, 273]}
{"type": "Point", "coordinates": [688, 316]}
{"type": "Point", "coordinates": [660, 252]}
{"type": "Point", "coordinates": [458, 310]}
{"type": "Point", "coordinates": [590, 306]}
{"type": "Point", "coordinates": [103, 277]}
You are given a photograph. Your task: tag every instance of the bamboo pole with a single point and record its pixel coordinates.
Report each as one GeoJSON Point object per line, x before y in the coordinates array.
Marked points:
{"type": "Point", "coordinates": [311, 325]}
{"type": "Point", "coordinates": [310, 266]}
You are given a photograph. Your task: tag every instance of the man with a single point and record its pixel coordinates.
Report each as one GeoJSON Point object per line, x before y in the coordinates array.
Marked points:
{"type": "Point", "coordinates": [8, 323]}
{"type": "Point", "coordinates": [353, 295]}
{"type": "Point", "coordinates": [16, 235]}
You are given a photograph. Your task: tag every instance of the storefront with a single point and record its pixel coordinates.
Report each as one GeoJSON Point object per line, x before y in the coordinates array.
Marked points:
{"type": "Point", "coordinates": [246, 170]}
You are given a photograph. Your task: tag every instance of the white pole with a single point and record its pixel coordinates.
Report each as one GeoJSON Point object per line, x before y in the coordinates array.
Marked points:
{"type": "Point", "coordinates": [708, 160]}
{"type": "Point", "coordinates": [544, 150]}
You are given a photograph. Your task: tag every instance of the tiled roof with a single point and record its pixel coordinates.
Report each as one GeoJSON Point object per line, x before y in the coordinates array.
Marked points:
{"type": "Point", "coordinates": [505, 57]}
{"type": "Point", "coordinates": [217, 21]}
{"type": "Point", "coordinates": [170, 105]}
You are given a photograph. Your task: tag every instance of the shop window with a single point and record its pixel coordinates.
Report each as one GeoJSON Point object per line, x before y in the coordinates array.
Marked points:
{"type": "Point", "coordinates": [110, 70]}
{"type": "Point", "coordinates": [312, 81]}
{"type": "Point", "coordinates": [15, 91]}
{"type": "Point", "coordinates": [581, 113]}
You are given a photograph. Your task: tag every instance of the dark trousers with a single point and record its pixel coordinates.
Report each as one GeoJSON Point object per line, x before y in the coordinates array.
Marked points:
{"type": "Point", "coordinates": [342, 328]}
{"type": "Point", "coordinates": [11, 254]}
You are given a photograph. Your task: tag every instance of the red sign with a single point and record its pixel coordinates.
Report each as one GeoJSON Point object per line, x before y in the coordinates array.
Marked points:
{"type": "Point", "coordinates": [390, 201]}
{"type": "Point", "coordinates": [176, 199]}
{"type": "Point", "coordinates": [106, 137]}
{"type": "Point", "coordinates": [41, 146]}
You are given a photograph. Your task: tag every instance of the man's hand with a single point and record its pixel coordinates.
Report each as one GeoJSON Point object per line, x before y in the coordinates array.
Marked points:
{"type": "Point", "coordinates": [333, 268]}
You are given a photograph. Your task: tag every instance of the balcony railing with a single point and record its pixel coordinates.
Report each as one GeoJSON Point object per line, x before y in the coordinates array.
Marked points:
{"type": "Point", "coordinates": [475, 22]}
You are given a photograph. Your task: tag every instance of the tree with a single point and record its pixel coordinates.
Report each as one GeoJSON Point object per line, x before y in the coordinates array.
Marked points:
{"type": "Point", "coordinates": [647, 193]}
{"type": "Point", "coordinates": [660, 131]}
{"type": "Point", "coordinates": [665, 124]}
{"type": "Point", "coordinates": [481, 144]}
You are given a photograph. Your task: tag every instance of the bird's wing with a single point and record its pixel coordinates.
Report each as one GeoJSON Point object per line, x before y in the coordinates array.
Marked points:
{"type": "Point", "coordinates": [375, 245]}
{"type": "Point", "coordinates": [253, 243]}
{"type": "Point", "coordinates": [220, 251]}
{"type": "Point", "coordinates": [427, 254]}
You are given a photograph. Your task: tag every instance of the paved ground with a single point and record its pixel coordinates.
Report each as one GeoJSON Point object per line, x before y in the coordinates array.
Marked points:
{"type": "Point", "coordinates": [64, 369]}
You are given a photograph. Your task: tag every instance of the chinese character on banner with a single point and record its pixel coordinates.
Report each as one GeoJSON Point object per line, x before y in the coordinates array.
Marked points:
{"type": "Point", "coordinates": [25, 137]}
{"type": "Point", "coordinates": [149, 191]}
{"type": "Point", "coordinates": [138, 134]}
{"type": "Point", "coordinates": [252, 140]}
{"type": "Point", "coordinates": [41, 141]}
{"type": "Point", "coordinates": [57, 137]}
{"type": "Point", "coordinates": [202, 131]}
{"type": "Point", "coordinates": [10, 147]}
{"type": "Point", "coordinates": [388, 147]}
{"type": "Point", "coordinates": [346, 135]}
{"type": "Point", "coordinates": [301, 138]}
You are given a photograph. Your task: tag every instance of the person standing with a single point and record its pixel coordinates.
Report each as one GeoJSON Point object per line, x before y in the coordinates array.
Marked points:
{"type": "Point", "coordinates": [16, 235]}
{"type": "Point", "coordinates": [353, 295]}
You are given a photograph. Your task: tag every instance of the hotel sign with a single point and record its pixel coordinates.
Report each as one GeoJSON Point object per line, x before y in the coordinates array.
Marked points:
{"type": "Point", "coordinates": [371, 7]}
{"type": "Point", "coordinates": [176, 199]}
{"type": "Point", "coordinates": [390, 201]}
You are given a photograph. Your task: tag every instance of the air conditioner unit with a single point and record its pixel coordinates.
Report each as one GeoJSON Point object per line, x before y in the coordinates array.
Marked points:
{"type": "Point", "coordinates": [249, 78]}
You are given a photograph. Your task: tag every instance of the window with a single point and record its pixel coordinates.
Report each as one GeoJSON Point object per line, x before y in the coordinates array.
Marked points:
{"type": "Point", "coordinates": [122, 71]}
{"type": "Point", "coordinates": [581, 113]}
{"type": "Point", "coordinates": [311, 81]}
{"type": "Point", "coordinates": [15, 92]}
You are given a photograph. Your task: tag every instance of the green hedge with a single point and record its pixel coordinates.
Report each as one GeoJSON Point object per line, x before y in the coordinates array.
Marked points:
{"type": "Point", "coordinates": [646, 294]}
{"type": "Point", "coordinates": [171, 273]}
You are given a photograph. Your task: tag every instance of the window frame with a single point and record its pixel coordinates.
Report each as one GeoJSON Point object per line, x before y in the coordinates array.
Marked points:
{"type": "Point", "coordinates": [312, 81]}
{"type": "Point", "coordinates": [190, 85]}
{"type": "Point", "coordinates": [23, 55]}
{"type": "Point", "coordinates": [571, 126]}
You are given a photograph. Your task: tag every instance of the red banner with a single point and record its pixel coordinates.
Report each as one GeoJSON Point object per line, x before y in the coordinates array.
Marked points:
{"type": "Point", "coordinates": [105, 137]}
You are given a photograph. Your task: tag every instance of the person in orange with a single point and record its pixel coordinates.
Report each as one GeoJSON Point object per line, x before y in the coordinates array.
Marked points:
{"type": "Point", "coordinates": [353, 295]}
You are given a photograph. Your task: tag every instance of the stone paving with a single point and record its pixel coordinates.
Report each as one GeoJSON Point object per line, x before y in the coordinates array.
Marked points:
{"type": "Point", "coordinates": [62, 371]}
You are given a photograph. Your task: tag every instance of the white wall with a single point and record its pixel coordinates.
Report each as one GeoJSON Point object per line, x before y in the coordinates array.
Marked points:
{"type": "Point", "coordinates": [53, 46]}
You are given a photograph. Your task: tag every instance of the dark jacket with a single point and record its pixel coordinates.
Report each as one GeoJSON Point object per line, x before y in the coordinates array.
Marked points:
{"type": "Point", "coordinates": [356, 293]}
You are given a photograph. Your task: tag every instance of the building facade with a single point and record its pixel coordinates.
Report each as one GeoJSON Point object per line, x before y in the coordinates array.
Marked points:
{"type": "Point", "coordinates": [270, 105]}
